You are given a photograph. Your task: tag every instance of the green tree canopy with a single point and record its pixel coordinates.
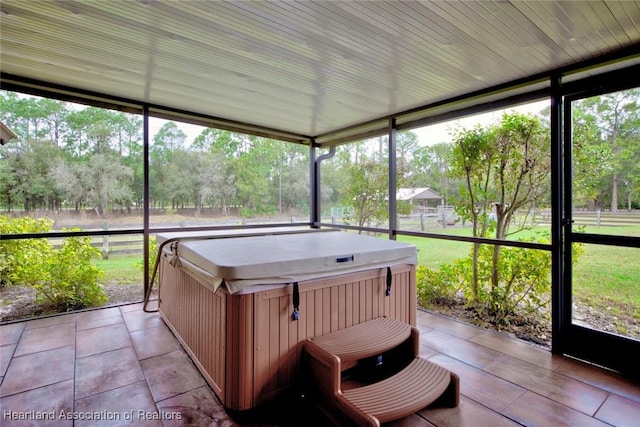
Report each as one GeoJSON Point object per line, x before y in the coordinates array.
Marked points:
{"type": "Point", "coordinates": [505, 169]}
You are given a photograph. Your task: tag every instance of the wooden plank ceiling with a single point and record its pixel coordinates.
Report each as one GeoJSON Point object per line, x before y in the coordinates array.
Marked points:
{"type": "Point", "coordinates": [304, 68]}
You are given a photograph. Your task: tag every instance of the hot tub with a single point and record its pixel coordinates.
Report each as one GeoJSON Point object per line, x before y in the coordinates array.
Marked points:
{"type": "Point", "coordinates": [232, 301]}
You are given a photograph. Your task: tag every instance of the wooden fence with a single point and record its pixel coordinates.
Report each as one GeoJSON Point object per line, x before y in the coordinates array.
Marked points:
{"type": "Point", "coordinates": [599, 218]}
{"type": "Point", "coordinates": [132, 245]}
{"type": "Point", "coordinates": [425, 221]}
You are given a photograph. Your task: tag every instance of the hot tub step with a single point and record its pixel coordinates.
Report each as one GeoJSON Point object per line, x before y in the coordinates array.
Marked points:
{"type": "Point", "coordinates": [364, 340]}
{"type": "Point", "coordinates": [413, 388]}
{"type": "Point", "coordinates": [416, 383]}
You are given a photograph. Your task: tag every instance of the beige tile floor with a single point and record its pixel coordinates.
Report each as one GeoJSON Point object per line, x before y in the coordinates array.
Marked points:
{"type": "Point", "coordinates": [113, 363]}
{"type": "Point", "coordinates": [124, 367]}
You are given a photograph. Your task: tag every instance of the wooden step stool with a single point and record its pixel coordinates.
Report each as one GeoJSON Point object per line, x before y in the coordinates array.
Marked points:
{"type": "Point", "coordinates": [416, 384]}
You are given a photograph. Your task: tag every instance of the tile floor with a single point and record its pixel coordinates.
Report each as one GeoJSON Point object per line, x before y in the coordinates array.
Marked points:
{"type": "Point", "coordinates": [121, 366]}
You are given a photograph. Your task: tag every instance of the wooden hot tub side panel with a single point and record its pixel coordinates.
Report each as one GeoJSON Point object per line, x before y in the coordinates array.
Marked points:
{"type": "Point", "coordinates": [405, 307]}
{"type": "Point", "coordinates": [197, 317]}
{"type": "Point", "coordinates": [326, 305]}
{"type": "Point", "coordinates": [247, 346]}
{"type": "Point", "coordinates": [240, 350]}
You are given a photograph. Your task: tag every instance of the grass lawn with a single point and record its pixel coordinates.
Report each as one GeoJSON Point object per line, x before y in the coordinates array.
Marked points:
{"type": "Point", "coordinates": [605, 274]}
{"type": "Point", "coordinates": [609, 274]}
{"type": "Point", "coordinates": [121, 269]}
{"type": "Point", "coordinates": [605, 277]}
{"type": "Point", "coordinates": [433, 252]}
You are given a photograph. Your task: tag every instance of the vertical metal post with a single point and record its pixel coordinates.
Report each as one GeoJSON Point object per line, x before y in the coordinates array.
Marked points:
{"type": "Point", "coordinates": [315, 181]}
{"type": "Point", "coordinates": [558, 309]}
{"type": "Point", "coordinates": [145, 191]}
{"type": "Point", "coordinates": [393, 216]}
{"type": "Point", "coordinates": [314, 186]}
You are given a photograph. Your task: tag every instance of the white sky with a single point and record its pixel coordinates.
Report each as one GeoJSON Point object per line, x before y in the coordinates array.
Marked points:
{"type": "Point", "coordinates": [434, 134]}
{"type": "Point", "coordinates": [428, 135]}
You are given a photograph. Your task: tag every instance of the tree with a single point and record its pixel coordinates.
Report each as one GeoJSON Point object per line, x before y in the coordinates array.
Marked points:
{"type": "Point", "coordinates": [34, 118]}
{"type": "Point", "coordinates": [292, 173]}
{"type": "Point", "coordinates": [366, 189]}
{"type": "Point", "coordinates": [614, 121]}
{"type": "Point", "coordinates": [471, 160]}
{"type": "Point", "coordinates": [180, 183]}
{"type": "Point", "coordinates": [505, 169]}
{"type": "Point", "coordinates": [99, 182]}
{"type": "Point", "coordinates": [91, 130]}
{"type": "Point", "coordinates": [216, 140]}
{"type": "Point", "coordinates": [55, 114]}
{"type": "Point", "coordinates": [332, 176]}
{"type": "Point", "coordinates": [215, 182]}
{"type": "Point", "coordinates": [26, 167]}
{"type": "Point", "coordinates": [592, 161]}
{"type": "Point", "coordinates": [168, 139]}
{"type": "Point", "coordinates": [255, 169]}
{"type": "Point", "coordinates": [429, 167]}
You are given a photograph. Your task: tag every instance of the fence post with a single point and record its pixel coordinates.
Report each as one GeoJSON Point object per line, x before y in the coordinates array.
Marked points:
{"type": "Point", "coordinates": [105, 242]}
{"type": "Point", "coordinates": [598, 217]}
{"type": "Point", "coordinates": [421, 221]}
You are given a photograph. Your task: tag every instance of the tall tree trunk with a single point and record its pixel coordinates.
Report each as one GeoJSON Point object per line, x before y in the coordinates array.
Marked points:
{"type": "Point", "coordinates": [502, 219]}
{"type": "Point", "coordinates": [474, 284]}
{"type": "Point", "coordinates": [614, 193]}
{"type": "Point", "coordinates": [495, 277]}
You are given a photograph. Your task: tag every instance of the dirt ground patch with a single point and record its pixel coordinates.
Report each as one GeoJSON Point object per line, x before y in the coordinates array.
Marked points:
{"type": "Point", "coordinates": [19, 302]}
{"type": "Point", "coordinates": [538, 329]}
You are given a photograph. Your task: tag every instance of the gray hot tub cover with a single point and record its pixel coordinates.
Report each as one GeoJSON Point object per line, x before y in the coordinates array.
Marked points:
{"type": "Point", "coordinates": [242, 262]}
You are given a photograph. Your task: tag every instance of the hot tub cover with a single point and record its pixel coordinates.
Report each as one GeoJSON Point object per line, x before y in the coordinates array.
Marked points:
{"type": "Point", "coordinates": [238, 232]}
{"type": "Point", "coordinates": [240, 262]}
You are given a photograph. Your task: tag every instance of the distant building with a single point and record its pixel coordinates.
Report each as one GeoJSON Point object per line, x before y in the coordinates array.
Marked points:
{"type": "Point", "coordinates": [422, 195]}
{"type": "Point", "coordinates": [6, 134]}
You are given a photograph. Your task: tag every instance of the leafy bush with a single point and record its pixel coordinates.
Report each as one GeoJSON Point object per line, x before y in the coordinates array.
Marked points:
{"type": "Point", "coordinates": [436, 286]}
{"type": "Point", "coordinates": [64, 277]}
{"type": "Point", "coordinates": [524, 281]}
{"type": "Point", "coordinates": [17, 257]}
{"type": "Point", "coordinates": [71, 281]}
{"type": "Point", "coordinates": [403, 207]}
{"type": "Point", "coordinates": [153, 255]}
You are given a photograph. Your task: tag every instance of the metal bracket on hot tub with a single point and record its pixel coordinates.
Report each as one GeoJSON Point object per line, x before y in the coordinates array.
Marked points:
{"type": "Point", "coordinates": [147, 296]}
{"type": "Point", "coordinates": [175, 261]}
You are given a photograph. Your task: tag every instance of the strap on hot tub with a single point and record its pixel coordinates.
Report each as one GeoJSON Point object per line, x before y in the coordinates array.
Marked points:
{"type": "Point", "coordinates": [296, 302]}
{"type": "Point", "coordinates": [389, 280]}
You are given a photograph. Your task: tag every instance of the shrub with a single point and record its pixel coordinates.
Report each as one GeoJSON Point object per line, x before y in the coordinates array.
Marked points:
{"type": "Point", "coordinates": [403, 207]}
{"type": "Point", "coordinates": [153, 255]}
{"type": "Point", "coordinates": [71, 281]}
{"type": "Point", "coordinates": [524, 281]}
{"type": "Point", "coordinates": [64, 277]}
{"type": "Point", "coordinates": [437, 286]}
{"type": "Point", "coordinates": [19, 259]}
